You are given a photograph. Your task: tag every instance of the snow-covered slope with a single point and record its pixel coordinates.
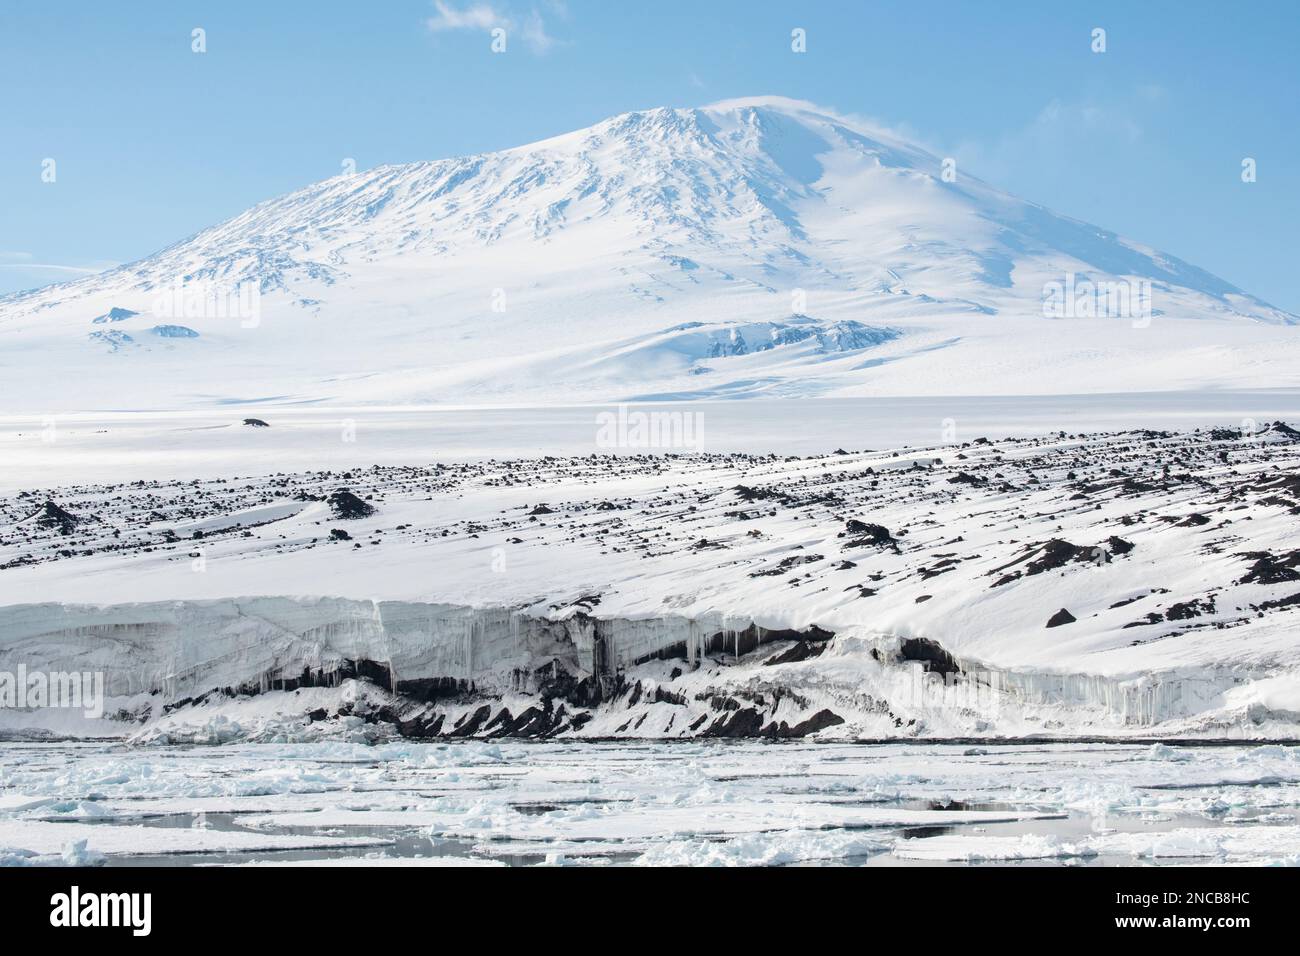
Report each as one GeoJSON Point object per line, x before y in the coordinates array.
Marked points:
{"type": "Point", "coordinates": [1118, 583]}
{"type": "Point", "coordinates": [757, 246]}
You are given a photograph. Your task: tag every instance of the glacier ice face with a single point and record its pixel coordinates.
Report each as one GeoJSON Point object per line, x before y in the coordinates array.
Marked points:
{"type": "Point", "coordinates": [441, 665]}
{"type": "Point", "coordinates": [184, 649]}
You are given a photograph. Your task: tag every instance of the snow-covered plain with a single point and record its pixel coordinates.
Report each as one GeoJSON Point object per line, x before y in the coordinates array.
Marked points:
{"type": "Point", "coordinates": [688, 803]}
{"type": "Point", "coordinates": [122, 446]}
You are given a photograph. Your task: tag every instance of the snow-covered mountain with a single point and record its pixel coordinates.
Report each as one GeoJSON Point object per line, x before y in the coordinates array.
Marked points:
{"type": "Point", "coordinates": [753, 246]}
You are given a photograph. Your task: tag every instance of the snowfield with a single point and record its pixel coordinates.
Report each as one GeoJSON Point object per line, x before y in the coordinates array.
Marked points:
{"type": "Point", "coordinates": [1135, 583]}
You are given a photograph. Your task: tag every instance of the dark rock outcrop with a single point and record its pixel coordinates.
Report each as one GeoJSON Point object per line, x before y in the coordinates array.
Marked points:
{"type": "Point", "coordinates": [344, 504]}
{"type": "Point", "coordinates": [1061, 617]}
{"type": "Point", "coordinates": [51, 516]}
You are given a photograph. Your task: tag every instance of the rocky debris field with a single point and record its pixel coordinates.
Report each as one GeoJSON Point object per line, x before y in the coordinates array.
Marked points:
{"type": "Point", "coordinates": [1090, 562]}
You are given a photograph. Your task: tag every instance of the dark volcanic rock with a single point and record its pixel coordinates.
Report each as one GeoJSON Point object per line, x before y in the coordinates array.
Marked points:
{"type": "Point", "coordinates": [704, 544]}
{"type": "Point", "coordinates": [1057, 553]}
{"type": "Point", "coordinates": [795, 653]}
{"type": "Point", "coordinates": [1282, 428]}
{"type": "Point", "coordinates": [1119, 546]}
{"type": "Point", "coordinates": [743, 722]}
{"type": "Point", "coordinates": [1061, 617]}
{"type": "Point", "coordinates": [931, 655]}
{"type": "Point", "coordinates": [1268, 569]}
{"type": "Point", "coordinates": [818, 721]}
{"type": "Point", "coordinates": [1187, 610]}
{"type": "Point", "coordinates": [346, 505]}
{"type": "Point", "coordinates": [786, 564]}
{"type": "Point", "coordinates": [467, 727]}
{"type": "Point", "coordinates": [863, 533]}
{"type": "Point", "coordinates": [52, 516]}
{"type": "Point", "coordinates": [1291, 600]}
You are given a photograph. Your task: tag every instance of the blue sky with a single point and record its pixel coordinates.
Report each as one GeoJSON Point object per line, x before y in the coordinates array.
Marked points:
{"type": "Point", "coordinates": [153, 141]}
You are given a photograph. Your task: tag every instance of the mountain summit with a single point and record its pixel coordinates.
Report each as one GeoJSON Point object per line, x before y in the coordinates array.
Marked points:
{"type": "Point", "coordinates": [759, 246]}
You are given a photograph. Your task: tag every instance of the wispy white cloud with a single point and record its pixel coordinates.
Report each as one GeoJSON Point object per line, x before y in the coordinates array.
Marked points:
{"type": "Point", "coordinates": [1060, 128]}
{"type": "Point", "coordinates": [483, 16]}
{"type": "Point", "coordinates": [25, 260]}
{"type": "Point", "coordinates": [56, 267]}
{"type": "Point", "coordinates": [478, 16]}
{"type": "Point", "coordinates": [21, 270]}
